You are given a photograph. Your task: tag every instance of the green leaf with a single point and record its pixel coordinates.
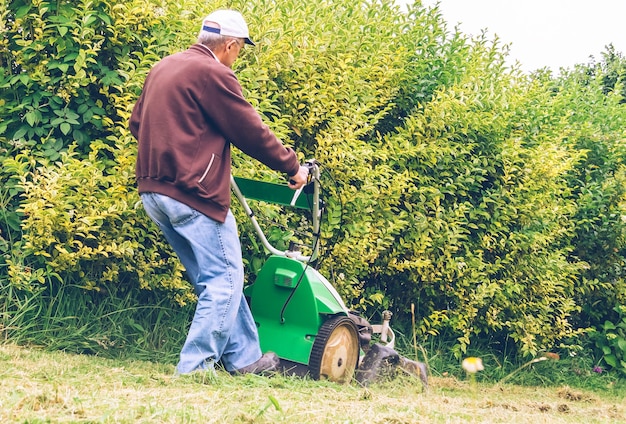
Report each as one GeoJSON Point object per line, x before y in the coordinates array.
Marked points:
{"type": "Point", "coordinates": [611, 360]}
{"type": "Point", "coordinates": [51, 154]}
{"type": "Point", "coordinates": [21, 132]}
{"type": "Point", "coordinates": [105, 18]}
{"type": "Point", "coordinates": [90, 20]}
{"type": "Point", "coordinates": [22, 11]}
{"type": "Point", "coordinates": [32, 118]}
{"type": "Point", "coordinates": [13, 221]}
{"type": "Point", "coordinates": [65, 128]}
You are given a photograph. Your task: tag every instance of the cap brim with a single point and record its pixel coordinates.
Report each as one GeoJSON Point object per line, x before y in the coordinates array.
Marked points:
{"type": "Point", "coordinates": [249, 41]}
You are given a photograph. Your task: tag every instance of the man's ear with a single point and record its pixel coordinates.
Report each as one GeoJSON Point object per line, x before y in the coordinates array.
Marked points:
{"type": "Point", "coordinates": [230, 44]}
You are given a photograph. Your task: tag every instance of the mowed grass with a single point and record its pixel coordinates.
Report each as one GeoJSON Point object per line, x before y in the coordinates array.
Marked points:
{"type": "Point", "coordinates": [56, 387]}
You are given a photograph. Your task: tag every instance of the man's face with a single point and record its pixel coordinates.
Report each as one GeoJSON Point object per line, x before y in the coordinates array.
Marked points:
{"type": "Point", "coordinates": [233, 47]}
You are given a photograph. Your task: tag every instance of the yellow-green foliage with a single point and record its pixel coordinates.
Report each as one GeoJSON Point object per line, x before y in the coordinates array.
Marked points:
{"type": "Point", "coordinates": [83, 224]}
{"type": "Point", "coordinates": [459, 184]}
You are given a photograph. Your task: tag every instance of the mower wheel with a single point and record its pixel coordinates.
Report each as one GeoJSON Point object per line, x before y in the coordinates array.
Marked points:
{"type": "Point", "coordinates": [335, 352]}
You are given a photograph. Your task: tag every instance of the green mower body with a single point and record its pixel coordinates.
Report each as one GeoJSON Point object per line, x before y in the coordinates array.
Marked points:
{"type": "Point", "coordinates": [298, 313]}
{"type": "Point", "coordinates": [290, 301]}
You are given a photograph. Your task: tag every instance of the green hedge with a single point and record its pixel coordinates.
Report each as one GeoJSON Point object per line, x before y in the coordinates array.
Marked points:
{"type": "Point", "coordinates": [489, 200]}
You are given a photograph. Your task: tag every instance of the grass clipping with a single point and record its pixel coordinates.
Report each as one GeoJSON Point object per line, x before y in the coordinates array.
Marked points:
{"type": "Point", "coordinates": [37, 386]}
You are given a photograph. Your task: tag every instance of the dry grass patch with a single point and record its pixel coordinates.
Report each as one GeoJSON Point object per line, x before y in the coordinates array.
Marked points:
{"type": "Point", "coordinates": [55, 387]}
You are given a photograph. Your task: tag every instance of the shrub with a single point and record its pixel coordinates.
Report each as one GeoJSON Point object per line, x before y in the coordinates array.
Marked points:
{"type": "Point", "coordinates": [596, 117]}
{"type": "Point", "coordinates": [611, 341]}
{"type": "Point", "coordinates": [459, 184]}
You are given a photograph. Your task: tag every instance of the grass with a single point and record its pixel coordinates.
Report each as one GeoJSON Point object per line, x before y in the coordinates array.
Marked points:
{"type": "Point", "coordinates": [108, 360]}
{"type": "Point", "coordinates": [40, 387]}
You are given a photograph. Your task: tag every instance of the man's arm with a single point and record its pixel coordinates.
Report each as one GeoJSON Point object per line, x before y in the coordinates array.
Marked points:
{"type": "Point", "coordinates": [238, 121]}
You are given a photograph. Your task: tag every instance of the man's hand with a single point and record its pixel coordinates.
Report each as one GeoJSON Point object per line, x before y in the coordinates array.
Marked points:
{"type": "Point", "coordinates": [300, 179]}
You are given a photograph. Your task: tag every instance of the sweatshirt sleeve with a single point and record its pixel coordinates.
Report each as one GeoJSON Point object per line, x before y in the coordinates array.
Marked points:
{"type": "Point", "coordinates": [241, 124]}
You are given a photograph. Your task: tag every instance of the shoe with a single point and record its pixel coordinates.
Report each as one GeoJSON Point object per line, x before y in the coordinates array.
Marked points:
{"type": "Point", "coordinates": [268, 363]}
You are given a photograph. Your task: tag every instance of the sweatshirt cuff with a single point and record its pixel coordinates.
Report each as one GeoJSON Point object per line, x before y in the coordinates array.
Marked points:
{"type": "Point", "coordinates": [292, 174]}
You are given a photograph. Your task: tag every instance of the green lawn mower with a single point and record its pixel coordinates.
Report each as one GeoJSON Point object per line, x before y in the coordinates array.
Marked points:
{"type": "Point", "coordinates": [299, 314]}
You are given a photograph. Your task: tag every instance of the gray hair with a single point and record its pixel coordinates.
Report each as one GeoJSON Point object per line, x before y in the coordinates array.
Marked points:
{"type": "Point", "coordinates": [212, 40]}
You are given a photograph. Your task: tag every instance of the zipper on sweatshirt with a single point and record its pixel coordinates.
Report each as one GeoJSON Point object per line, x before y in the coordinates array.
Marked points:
{"type": "Point", "coordinates": [208, 168]}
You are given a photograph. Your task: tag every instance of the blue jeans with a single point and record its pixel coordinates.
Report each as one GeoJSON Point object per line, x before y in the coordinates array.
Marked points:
{"type": "Point", "coordinates": [223, 327]}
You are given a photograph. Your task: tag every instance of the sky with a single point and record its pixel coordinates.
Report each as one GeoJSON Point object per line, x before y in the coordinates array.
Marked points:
{"type": "Point", "coordinates": [542, 33]}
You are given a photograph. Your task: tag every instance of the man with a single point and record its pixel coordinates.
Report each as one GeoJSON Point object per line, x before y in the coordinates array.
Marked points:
{"type": "Point", "coordinates": [191, 109]}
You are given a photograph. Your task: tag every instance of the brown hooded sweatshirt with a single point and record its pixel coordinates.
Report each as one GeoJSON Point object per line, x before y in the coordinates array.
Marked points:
{"type": "Point", "coordinates": [190, 110]}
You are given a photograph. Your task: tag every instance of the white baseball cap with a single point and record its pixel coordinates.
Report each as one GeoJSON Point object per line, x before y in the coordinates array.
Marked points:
{"type": "Point", "coordinates": [227, 22]}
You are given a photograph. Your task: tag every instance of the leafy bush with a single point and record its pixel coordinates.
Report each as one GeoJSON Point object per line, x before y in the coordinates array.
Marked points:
{"type": "Point", "coordinates": [485, 212]}
{"type": "Point", "coordinates": [59, 88]}
{"type": "Point", "coordinates": [82, 225]}
{"type": "Point", "coordinates": [611, 341]}
{"type": "Point", "coordinates": [65, 68]}
{"type": "Point", "coordinates": [596, 117]}
{"type": "Point", "coordinates": [69, 73]}
{"type": "Point", "coordinates": [459, 184]}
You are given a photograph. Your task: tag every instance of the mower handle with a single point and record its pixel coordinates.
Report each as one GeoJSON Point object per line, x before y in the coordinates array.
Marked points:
{"type": "Point", "coordinates": [283, 195]}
